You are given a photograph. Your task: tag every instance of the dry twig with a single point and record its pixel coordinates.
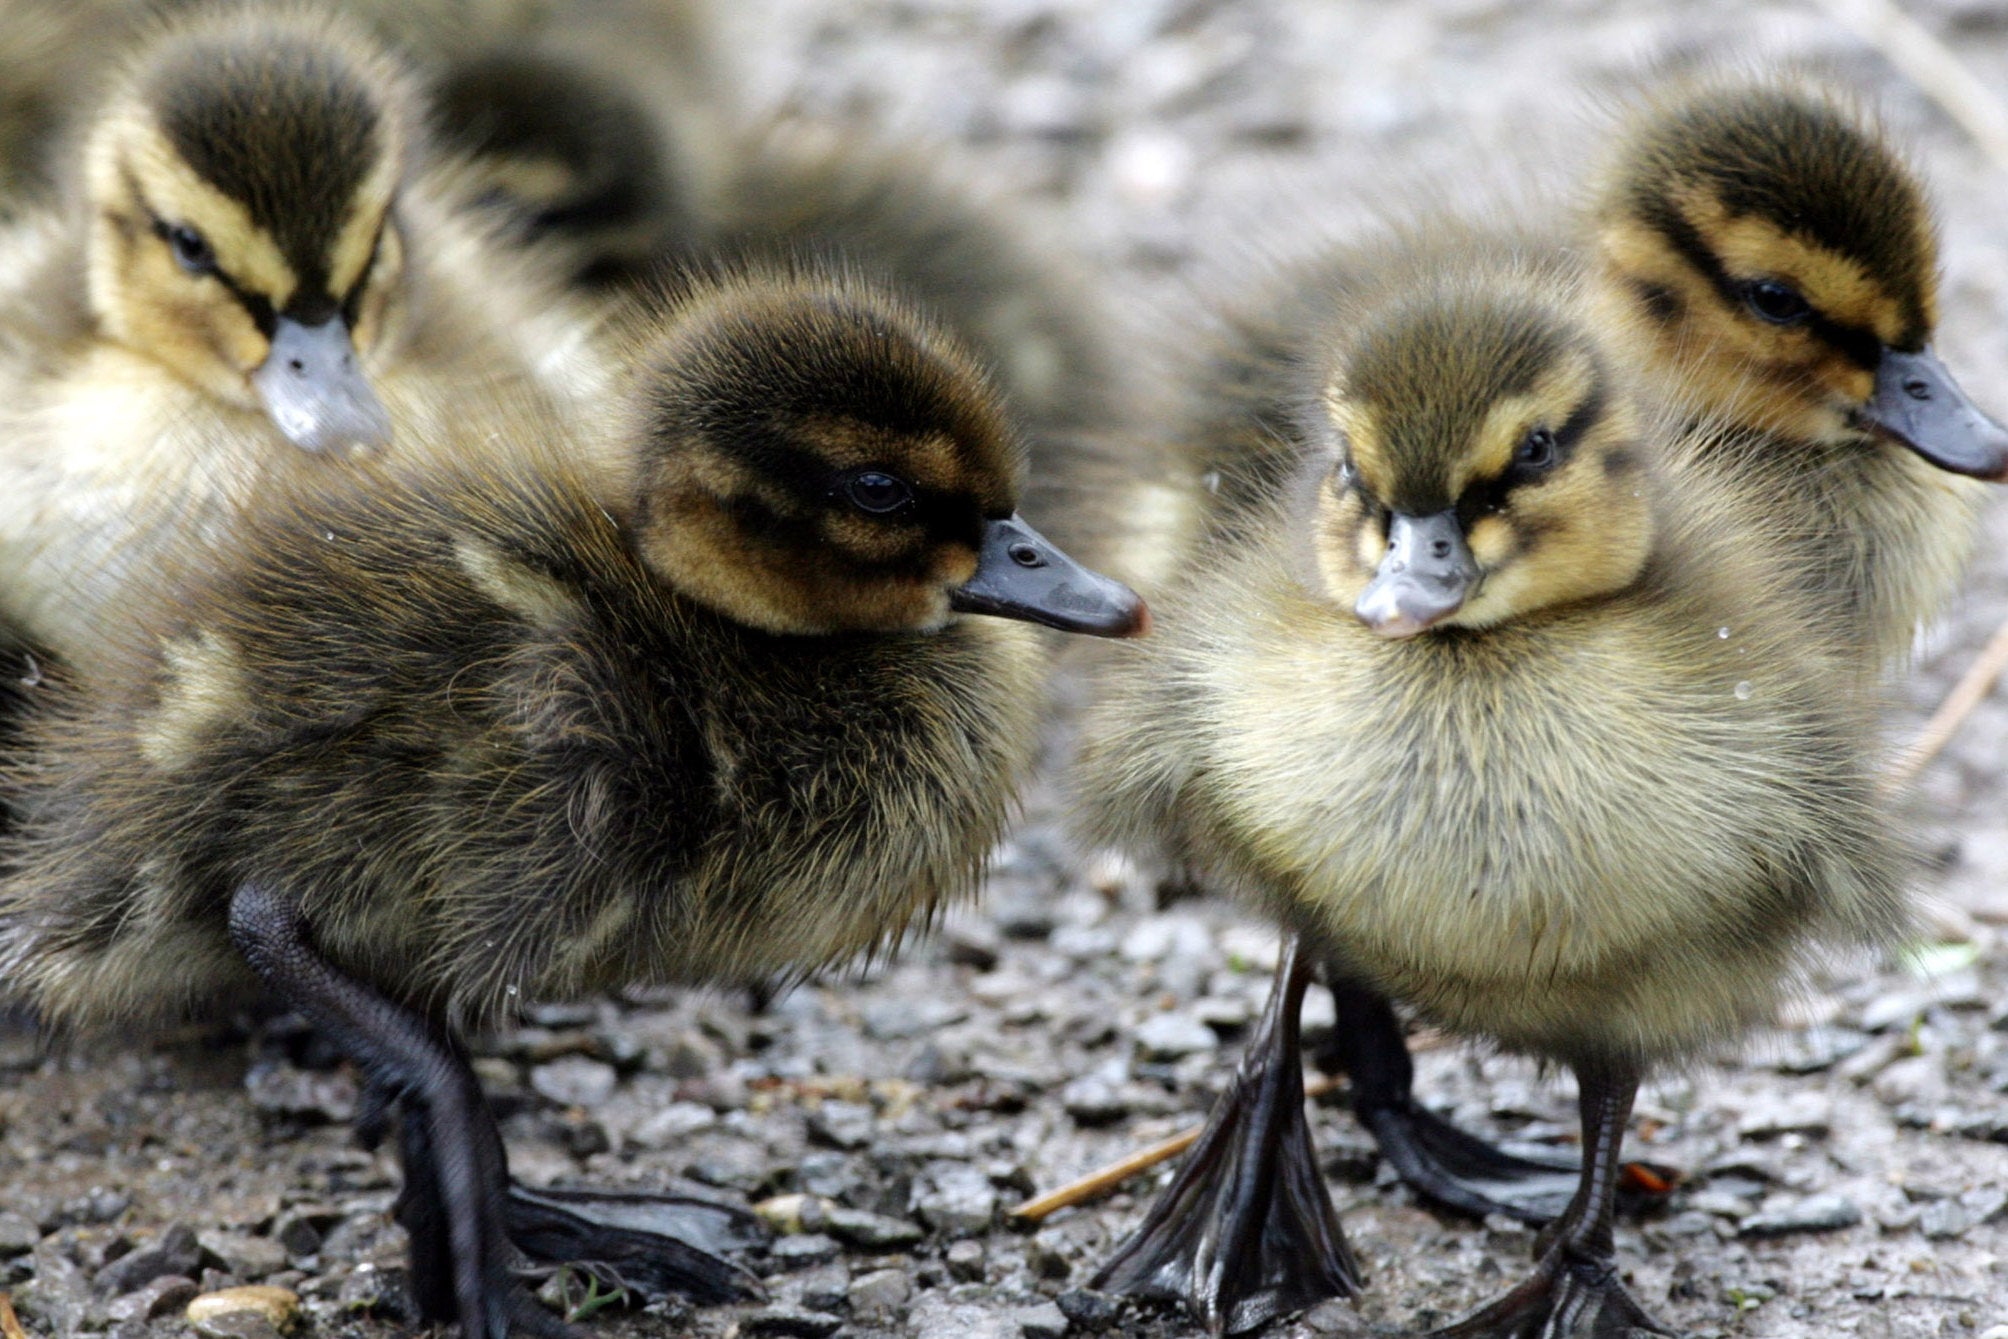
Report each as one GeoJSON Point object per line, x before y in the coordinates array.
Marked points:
{"type": "Point", "coordinates": [1968, 693]}
{"type": "Point", "coordinates": [10, 1324]}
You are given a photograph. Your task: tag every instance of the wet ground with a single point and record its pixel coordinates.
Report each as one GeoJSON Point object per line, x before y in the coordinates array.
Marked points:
{"type": "Point", "coordinates": [1849, 1174]}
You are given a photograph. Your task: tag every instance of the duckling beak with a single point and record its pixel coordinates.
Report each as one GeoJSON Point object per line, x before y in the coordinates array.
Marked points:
{"type": "Point", "coordinates": [314, 390]}
{"type": "Point", "coordinates": [1425, 576]}
{"type": "Point", "coordinates": [1917, 404]}
{"type": "Point", "coordinates": [1022, 574]}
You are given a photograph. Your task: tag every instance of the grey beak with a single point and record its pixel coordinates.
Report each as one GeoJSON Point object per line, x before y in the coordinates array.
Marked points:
{"type": "Point", "coordinates": [1917, 404]}
{"type": "Point", "coordinates": [314, 390]}
{"type": "Point", "coordinates": [1425, 576]}
{"type": "Point", "coordinates": [1022, 574]}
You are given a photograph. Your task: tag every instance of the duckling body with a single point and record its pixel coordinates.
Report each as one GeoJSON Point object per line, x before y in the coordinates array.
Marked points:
{"type": "Point", "coordinates": [203, 291]}
{"type": "Point", "coordinates": [1777, 258]}
{"type": "Point", "coordinates": [420, 736]}
{"type": "Point", "coordinates": [1507, 724]}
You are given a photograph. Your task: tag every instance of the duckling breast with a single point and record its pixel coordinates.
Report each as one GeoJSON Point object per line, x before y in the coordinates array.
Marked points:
{"type": "Point", "coordinates": [1584, 826]}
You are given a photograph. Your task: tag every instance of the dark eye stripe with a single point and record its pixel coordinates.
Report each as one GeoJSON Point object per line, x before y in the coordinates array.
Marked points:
{"type": "Point", "coordinates": [1860, 347]}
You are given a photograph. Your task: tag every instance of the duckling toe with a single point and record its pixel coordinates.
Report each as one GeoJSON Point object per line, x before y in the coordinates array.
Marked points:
{"type": "Point", "coordinates": [1570, 1296]}
{"type": "Point", "coordinates": [1246, 1232]}
{"type": "Point", "coordinates": [652, 1245]}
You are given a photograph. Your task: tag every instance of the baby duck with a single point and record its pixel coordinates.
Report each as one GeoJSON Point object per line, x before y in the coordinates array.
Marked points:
{"type": "Point", "coordinates": [627, 162]}
{"type": "Point", "coordinates": [1778, 258]}
{"type": "Point", "coordinates": [422, 738]}
{"type": "Point", "coordinates": [1458, 711]}
{"type": "Point", "coordinates": [1772, 261]}
{"type": "Point", "coordinates": [241, 246]}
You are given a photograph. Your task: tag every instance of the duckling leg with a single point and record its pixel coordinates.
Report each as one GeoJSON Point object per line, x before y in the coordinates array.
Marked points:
{"type": "Point", "coordinates": [1440, 1162]}
{"type": "Point", "coordinates": [455, 1168]}
{"type": "Point", "coordinates": [1246, 1232]}
{"type": "Point", "coordinates": [1575, 1291]}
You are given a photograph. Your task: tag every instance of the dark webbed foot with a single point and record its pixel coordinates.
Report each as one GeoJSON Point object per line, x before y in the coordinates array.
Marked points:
{"type": "Point", "coordinates": [1574, 1291]}
{"type": "Point", "coordinates": [458, 1207]}
{"type": "Point", "coordinates": [652, 1245]}
{"type": "Point", "coordinates": [1246, 1232]}
{"type": "Point", "coordinates": [1440, 1162]}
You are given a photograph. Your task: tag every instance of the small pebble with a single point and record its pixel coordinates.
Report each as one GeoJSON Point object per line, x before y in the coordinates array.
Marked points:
{"type": "Point", "coordinates": [1172, 1036]}
{"type": "Point", "coordinates": [278, 1307]}
{"type": "Point", "coordinates": [870, 1231]}
{"type": "Point", "coordinates": [955, 1199]}
{"type": "Point", "coordinates": [18, 1235]}
{"type": "Point", "coordinates": [174, 1252]}
{"type": "Point", "coordinates": [1089, 1310]}
{"type": "Point", "coordinates": [1814, 1213]}
{"type": "Point", "coordinates": [249, 1258]}
{"type": "Point", "coordinates": [575, 1081]}
{"type": "Point", "coordinates": [789, 1322]}
{"type": "Point", "coordinates": [163, 1295]}
{"type": "Point", "coordinates": [966, 1259]}
{"type": "Point", "coordinates": [803, 1251]}
{"type": "Point", "coordinates": [1045, 1321]}
{"type": "Point", "coordinates": [880, 1295]}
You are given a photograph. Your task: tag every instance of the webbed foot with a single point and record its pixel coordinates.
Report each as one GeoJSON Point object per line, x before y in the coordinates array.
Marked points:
{"type": "Point", "coordinates": [1440, 1162]}
{"type": "Point", "coordinates": [1246, 1232]}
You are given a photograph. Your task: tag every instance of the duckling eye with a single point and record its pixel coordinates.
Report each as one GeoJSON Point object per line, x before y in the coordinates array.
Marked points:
{"type": "Point", "coordinates": [1777, 302]}
{"type": "Point", "coordinates": [191, 249]}
{"type": "Point", "coordinates": [877, 492]}
{"type": "Point", "coordinates": [1536, 450]}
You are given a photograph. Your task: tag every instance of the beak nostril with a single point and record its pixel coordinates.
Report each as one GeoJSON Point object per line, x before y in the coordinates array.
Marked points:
{"type": "Point", "coordinates": [1917, 389]}
{"type": "Point", "coordinates": [1439, 548]}
{"type": "Point", "coordinates": [1025, 555]}
{"type": "Point", "coordinates": [299, 367]}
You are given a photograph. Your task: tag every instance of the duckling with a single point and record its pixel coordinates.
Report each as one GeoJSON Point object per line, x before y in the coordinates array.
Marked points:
{"type": "Point", "coordinates": [1770, 260]}
{"type": "Point", "coordinates": [422, 738]}
{"type": "Point", "coordinates": [1779, 260]}
{"type": "Point", "coordinates": [628, 159]}
{"type": "Point", "coordinates": [240, 259]}
{"type": "Point", "coordinates": [1456, 710]}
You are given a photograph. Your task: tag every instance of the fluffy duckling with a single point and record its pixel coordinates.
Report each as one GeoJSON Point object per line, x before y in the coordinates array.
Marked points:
{"type": "Point", "coordinates": [1773, 263]}
{"type": "Point", "coordinates": [423, 738]}
{"type": "Point", "coordinates": [1458, 712]}
{"type": "Point", "coordinates": [628, 159]}
{"type": "Point", "coordinates": [1779, 259]}
{"type": "Point", "coordinates": [241, 258]}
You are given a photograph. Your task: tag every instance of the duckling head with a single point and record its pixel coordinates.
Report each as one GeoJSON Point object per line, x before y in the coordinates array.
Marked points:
{"type": "Point", "coordinates": [1782, 258]}
{"type": "Point", "coordinates": [241, 181]}
{"type": "Point", "coordinates": [812, 458]}
{"type": "Point", "coordinates": [1486, 464]}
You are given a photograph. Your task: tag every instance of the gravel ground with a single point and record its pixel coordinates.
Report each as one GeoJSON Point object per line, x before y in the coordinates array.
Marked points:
{"type": "Point", "coordinates": [1849, 1174]}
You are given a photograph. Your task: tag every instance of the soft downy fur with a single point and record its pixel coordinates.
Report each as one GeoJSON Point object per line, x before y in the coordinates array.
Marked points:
{"type": "Point", "coordinates": [114, 458]}
{"type": "Point", "coordinates": [444, 703]}
{"type": "Point", "coordinates": [1614, 828]}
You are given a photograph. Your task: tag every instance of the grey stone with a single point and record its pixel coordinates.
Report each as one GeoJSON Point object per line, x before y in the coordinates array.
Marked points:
{"type": "Point", "coordinates": [870, 1231]}
{"type": "Point", "coordinates": [898, 1019]}
{"type": "Point", "coordinates": [18, 1235]}
{"type": "Point", "coordinates": [575, 1081]}
{"type": "Point", "coordinates": [1817, 1049]}
{"type": "Point", "coordinates": [1095, 1099]}
{"type": "Point", "coordinates": [803, 1251]}
{"type": "Point", "coordinates": [671, 1125]}
{"type": "Point", "coordinates": [955, 1199]}
{"type": "Point", "coordinates": [1045, 1321]}
{"type": "Point", "coordinates": [175, 1251]}
{"type": "Point", "coordinates": [966, 1259]}
{"type": "Point", "coordinates": [1814, 1213]}
{"type": "Point", "coordinates": [789, 1322]}
{"type": "Point", "coordinates": [937, 1318]}
{"type": "Point", "coordinates": [1172, 1036]}
{"type": "Point", "coordinates": [1336, 1316]}
{"type": "Point", "coordinates": [826, 1288]}
{"type": "Point", "coordinates": [322, 1096]}
{"type": "Point", "coordinates": [1795, 1113]}
{"type": "Point", "coordinates": [300, 1229]}
{"type": "Point", "coordinates": [1089, 1310]}
{"type": "Point", "coordinates": [249, 1258]}
{"type": "Point", "coordinates": [166, 1294]}
{"type": "Point", "coordinates": [880, 1295]}
{"type": "Point", "coordinates": [845, 1125]}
